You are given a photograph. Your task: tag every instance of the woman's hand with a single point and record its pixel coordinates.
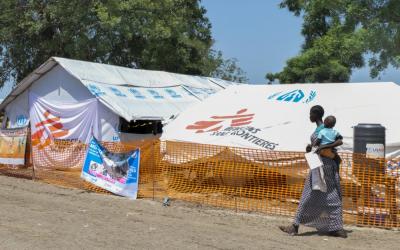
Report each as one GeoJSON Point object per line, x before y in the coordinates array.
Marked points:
{"type": "Point", "coordinates": [318, 150]}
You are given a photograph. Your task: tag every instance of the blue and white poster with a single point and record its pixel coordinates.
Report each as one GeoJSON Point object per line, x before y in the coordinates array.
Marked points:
{"type": "Point", "coordinates": [115, 172]}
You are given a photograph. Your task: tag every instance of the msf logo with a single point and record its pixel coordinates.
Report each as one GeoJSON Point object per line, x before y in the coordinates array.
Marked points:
{"type": "Point", "coordinates": [294, 96]}
{"type": "Point", "coordinates": [216, 123]}
{"type": "Point", "coordinates": [51, 125]}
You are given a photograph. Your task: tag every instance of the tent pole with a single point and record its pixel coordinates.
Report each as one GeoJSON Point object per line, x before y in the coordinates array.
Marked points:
{"type": "Point", "coordinates": [29, 146]}
{"type": "Point", "coordinates": [153, 157]}
{"type": "Point", "coordinates": [29, 159]}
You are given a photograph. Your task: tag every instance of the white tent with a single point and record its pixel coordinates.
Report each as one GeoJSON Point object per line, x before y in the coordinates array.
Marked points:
{"type": "Point", "coordinates": [111, 91]}
{"type": "Point", "coordinates": [276, 117]}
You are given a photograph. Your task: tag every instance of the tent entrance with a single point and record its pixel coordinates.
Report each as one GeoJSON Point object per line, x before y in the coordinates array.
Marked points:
{"type": "Point", "coordinates": [140, 126]}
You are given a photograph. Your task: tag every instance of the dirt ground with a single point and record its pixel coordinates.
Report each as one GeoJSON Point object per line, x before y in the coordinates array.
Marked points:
{"type": "Point", "coordinates": [39, 216]}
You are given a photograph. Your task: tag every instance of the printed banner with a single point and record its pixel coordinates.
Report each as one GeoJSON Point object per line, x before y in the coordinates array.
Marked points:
{"type": "Point", "coordinates": [71, 121]}
{"type": "Point", "coordinates": [115, 172]}
{"type": "Point", "coordinates": [12, 146]}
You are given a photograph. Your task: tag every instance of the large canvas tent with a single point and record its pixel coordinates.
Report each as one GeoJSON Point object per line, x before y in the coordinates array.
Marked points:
{"type": "Point", "coordinates": [276, 117]}
{"type": "Point", "coordinates": [98, 97]}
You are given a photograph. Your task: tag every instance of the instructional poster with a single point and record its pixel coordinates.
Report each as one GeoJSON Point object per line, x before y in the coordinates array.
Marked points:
{"type": "Point", "coordinates": [13, 145]}
{"type": "Point", "coordinates": [115, 172]}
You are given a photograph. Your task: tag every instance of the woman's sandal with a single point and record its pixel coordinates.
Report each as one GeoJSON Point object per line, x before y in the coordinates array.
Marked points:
{"type": "Point", "coordinates": [291, 230]}
{"type": "Point", "coordinates": [339, 233]}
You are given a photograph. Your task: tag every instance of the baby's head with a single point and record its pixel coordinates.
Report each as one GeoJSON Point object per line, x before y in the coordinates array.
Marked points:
{"type": "Point", "coordinates": [330, 121]}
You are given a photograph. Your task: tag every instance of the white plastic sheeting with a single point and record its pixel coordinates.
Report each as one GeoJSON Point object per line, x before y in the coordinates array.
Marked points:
{"type": "Point", "coordinates": [51, 82]}
{"type": "Point", "coordinates": [138, 103]}
{"type": "Point", "coordinates": [64, 80]}
{"type": "Point", "coordinates": [18, 113]}
{"type": "Point", "coordinates": [276, 117]}
{"type": "Point", "coordinates": [57, 86]}
{"type": "Point", "coordinates": [116, 75]}
{"type": "Point", "coordinates": [55, 120]}
{"type": "Point", "coordinates": [116, 86]}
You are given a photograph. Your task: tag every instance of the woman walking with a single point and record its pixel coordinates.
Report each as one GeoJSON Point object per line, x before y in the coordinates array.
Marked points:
{"type": "Point", "coordinates": [321, 210]}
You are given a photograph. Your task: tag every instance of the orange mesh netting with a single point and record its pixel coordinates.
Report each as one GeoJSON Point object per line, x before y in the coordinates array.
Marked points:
{"type": "Point", "coordinates": [60, 162]}
{"type": "Point", "coordinates": [272, 182]}
{"type": "Point", "coordinates": [241, 179]}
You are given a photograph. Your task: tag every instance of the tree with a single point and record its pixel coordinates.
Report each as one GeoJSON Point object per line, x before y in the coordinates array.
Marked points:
{"type": "Point", "coordinates": [171, 35]}
{"type": "Point", "coordinates": [331, 58]}
{"type": "Point", "coordinates": [338, 34]}
{"type": "Point", "coordinates": [229, 70]}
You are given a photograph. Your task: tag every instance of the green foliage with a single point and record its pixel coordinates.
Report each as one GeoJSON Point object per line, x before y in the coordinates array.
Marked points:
{"type": "Point", "coordinates": [329, 59]}
{"type": "Point", "coordinates": [229, 70]}
{"type": "Point", "coordinates": [338, 34]}
{"type": "Point", "coordinates": [171, 35]}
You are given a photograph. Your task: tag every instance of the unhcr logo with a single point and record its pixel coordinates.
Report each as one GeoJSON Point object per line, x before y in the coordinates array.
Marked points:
{"type": "Point", "coordinates": [295, 96]}
{"type": "Point", "coordinates": [21, 120]}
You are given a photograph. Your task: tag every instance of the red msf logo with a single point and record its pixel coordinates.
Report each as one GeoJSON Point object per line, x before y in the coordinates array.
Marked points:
{"type": "Point", "coordinates": [240, 119]}
{"type": "Point", "coordinates": [53, 124]}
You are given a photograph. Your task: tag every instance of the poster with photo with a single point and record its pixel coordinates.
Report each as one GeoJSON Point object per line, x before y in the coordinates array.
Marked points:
{"type": "Point", "coordinates": [115, 172]}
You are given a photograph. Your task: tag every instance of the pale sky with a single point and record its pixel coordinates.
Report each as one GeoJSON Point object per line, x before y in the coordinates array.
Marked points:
{"type": "Point", "coordinates": [262, 37]}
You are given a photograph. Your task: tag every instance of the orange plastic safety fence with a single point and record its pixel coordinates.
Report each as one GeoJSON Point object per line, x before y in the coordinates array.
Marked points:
{"type": "Point", "coordinates": [272, 182]}
{"type": "Point", "coordinates": [61, 162]}
{"type": "Point", "coordinates": [16, 171]}
{"type": "Point", "coordinates": [241, 179]}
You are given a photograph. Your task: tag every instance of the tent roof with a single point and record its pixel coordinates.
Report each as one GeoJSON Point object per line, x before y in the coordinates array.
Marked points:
{"type": "Point", "coordinates": [276, 116]}
{"type": "Point", "coordinates": [98, 74]}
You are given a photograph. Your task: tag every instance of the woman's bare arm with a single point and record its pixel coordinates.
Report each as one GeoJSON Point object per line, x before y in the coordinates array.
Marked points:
{"type": "Point", "coordinates": [334, 144]}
